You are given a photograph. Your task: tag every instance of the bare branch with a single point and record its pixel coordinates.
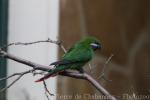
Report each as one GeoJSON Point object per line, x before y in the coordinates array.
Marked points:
{"type": "Point", "coordinates": [36, 66]}
{"type": "Point", "coordinates": [38, 73]}
{"type": "Point", "coordinates": [30, 43]}
{"type": "Point", "coordinates": [87, 77]}
{"type": "Point", "coordinates": [104, 68]}
{"type": "Point", "coordinates": [23, 61]}
{"type": "Point", "coordinates": [63, 48]}
{"type": "Point", "coordinates": [69, 74]}
{"type": "Point", "coordinates": [15, 74]}
{"type": "Point", "coordinates": [90, 68]}
{"type": "Point", "coordinates": [107, 61]}
{"type": "Point", "coordinates": [20, 75]}
{"type": "Point", "coordinates": [59, 43]}
{"type": "Point", "coordinates": [47, 91]}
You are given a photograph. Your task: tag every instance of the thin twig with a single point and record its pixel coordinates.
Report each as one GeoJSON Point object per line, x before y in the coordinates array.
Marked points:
{"type": "Point", "coordinates": [20, 75]}
{"type": "Point", "coordinates": [63, 48]}
{"type": "Point", "coordinates": [46, 89]}
{"type": "Point", "coordinates": [30, 43]}
{"type": "Point", "coordinates": [26, 62]}
{"type": "Point", "coordinates": [38, 73]}
{"type": "Point", "coordinates": [5, 78]}
{"type": "Point", "coordinates": [87, 77]}
{"type": "Point", "coordinates": [36, 66]}
{"type": "Point", "coordinates": [90, 68]}
{"type": "Point", "coordinates": [47, 96]}
{"type": "Point", "coordinates": [104, 68]}
{"type": "Point", "coordinates": [46, 68]}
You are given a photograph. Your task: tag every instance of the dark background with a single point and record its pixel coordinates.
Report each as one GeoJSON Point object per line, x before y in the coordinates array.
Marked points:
{"type": "Point", "coordinates": [123, 26]}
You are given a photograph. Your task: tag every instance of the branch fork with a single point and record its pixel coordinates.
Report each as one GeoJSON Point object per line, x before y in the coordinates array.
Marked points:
{"type": "Point", "coordinates": [36, 66]}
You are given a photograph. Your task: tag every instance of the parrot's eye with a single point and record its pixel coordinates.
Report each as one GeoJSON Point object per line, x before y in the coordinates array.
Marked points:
{"type": "Point", "coordinates": [95, 46]}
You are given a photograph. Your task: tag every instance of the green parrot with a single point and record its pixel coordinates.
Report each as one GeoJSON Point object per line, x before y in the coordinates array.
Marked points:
{"type": "Point", "coordinates": [76, 57]}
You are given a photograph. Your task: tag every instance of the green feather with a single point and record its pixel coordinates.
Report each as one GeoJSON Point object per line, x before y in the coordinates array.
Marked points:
{"type": "Point", "coordinates": [76, 57]}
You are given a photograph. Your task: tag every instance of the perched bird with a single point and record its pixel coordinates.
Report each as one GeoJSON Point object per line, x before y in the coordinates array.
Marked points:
{"type": "Point", "coordinates": [76, 57]}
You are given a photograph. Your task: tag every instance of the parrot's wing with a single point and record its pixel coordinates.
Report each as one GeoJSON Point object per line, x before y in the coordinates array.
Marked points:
{"type": "Point", "coordinates": [65, 62]}
{"type": "Point", "coordinates": [77, 54]}
{"type": "Point", "coordinates": [74, 55]}
{"type": "Point", "coordinates": [61, 62]}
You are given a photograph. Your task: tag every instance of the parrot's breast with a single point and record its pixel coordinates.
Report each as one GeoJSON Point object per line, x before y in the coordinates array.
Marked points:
{"type": "Point", "coordinates": [77, 66]}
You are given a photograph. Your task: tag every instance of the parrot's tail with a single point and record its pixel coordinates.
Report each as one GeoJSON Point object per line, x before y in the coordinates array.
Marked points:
{"type": "Point", "coordinates": [52, 73]}
{"type": "Point", "coordinates": [46, 77]}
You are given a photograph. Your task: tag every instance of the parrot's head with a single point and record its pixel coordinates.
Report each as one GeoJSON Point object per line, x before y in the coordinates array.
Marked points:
{"type": "Point", "coordinates": [91, 42]}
